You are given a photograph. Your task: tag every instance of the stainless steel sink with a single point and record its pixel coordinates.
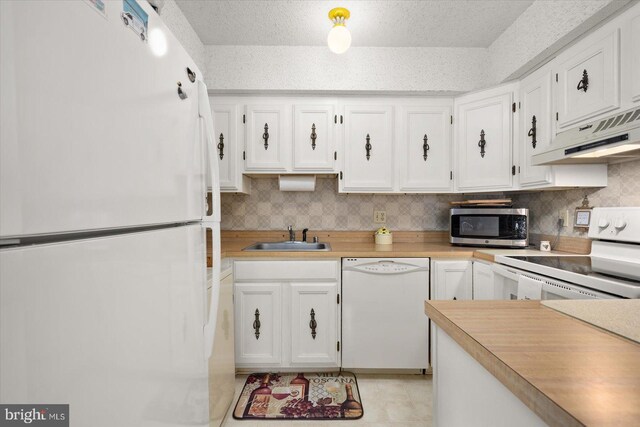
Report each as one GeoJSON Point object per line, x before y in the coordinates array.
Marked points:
{"type": "Point", "coordinates": [288, 246]}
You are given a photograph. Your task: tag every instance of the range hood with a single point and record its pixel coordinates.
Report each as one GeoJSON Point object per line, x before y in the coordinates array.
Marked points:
{"type": "Point", "coordinates": [613, 139]}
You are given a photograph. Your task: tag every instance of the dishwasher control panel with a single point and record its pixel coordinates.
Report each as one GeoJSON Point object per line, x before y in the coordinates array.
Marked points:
{"type": "Point", "coordinates": [385, 265]}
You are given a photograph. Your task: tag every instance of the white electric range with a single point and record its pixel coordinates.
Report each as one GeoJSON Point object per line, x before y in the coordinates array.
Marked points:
{"type": "Point", "coordinates": [611, 270]}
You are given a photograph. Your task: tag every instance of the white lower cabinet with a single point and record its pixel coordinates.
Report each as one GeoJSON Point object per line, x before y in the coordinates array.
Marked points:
{"type": "Point", "coordinates": [451, 280]}
{"type": "Point", "coordinates": [314, 316]}
{"type": "Point", "coordinates": [466, 394]}
{"type": "Point", "coordinates": [483, 281]}
{"type": "Point", "coordinates": [258, 323]}
{"type": "Point", "coordinates": [287, 314]}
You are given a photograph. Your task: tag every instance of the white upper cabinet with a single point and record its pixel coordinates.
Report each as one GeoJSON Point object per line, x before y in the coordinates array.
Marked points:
{"type": "Point", "coordinates": [483, 140]}
{"type": "Point", "coordinates": [424, 148]}
{"type": "Point", "coordinates": [588, 81]}
{"type": "Point", "coordinates": [229, 141]}
{"type": "Point", "coordinates": [268, 143]}
{"type": "Point", "coordinates": [368, 148]}
{"type": "Point", "coordinates": [635, 58]}
{"type": "Point", "coordinates": [535, 127]}
{"type": "Point", "coordinates": [314, 138]}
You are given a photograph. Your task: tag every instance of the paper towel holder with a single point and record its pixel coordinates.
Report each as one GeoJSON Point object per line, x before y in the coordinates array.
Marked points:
{"type": "Point", "coordinates": [297, 182]}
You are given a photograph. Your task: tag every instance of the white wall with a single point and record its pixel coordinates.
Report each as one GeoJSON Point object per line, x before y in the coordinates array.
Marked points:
{"type": "Point", "coordinates": [543, 29]}
{"type": "Point", "coordinates": [186, 35]}
{"type": "Point", "coordinates": [309, 68]}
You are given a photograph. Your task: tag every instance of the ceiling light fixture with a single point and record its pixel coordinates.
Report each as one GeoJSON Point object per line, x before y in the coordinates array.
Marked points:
{"type": "Point", "coordinates": [339, 38]}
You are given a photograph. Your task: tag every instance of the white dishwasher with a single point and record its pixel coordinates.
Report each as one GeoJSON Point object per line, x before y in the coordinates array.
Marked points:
{"type": "Point", "coordinates": [383, 320]}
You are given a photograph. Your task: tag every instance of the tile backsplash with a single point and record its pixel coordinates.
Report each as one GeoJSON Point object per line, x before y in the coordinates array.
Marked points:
{"type": "Point", "coordinates": [623, 189]}
{"type": "Point", "coordinates": [267, 208]}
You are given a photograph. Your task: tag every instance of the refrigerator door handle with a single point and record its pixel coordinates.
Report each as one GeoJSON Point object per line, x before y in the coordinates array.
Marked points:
{"type": "Point", "coordinates": [209, 329]}
{"type": "Point", "coordinates": [204, 111]}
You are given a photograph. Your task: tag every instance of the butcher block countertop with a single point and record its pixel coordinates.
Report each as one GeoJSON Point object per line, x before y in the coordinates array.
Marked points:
{"type": "Point", "coordinates": [354, 244]}
{"type": "Point", "coordinates": [354, 250]}
{"type": "Point", "coordinates": [566, 371]}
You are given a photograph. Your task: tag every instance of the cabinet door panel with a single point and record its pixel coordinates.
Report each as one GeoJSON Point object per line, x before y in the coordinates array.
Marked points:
{"type": "Point", "coordinates": [452, 280]}
{"type": "Point", "coordinates": [425, 165]}
{"type": "Point", "coordinates": [314, 324]}
{"type": "Point", "coordinates": [225, 122]}
{"type": "Point", "coordinates": [267, 149]}
{"type": "Point", "coordinates": [600, 62]}
{"type": "Point", "coordinates": [314, 141]}
{"type": "Point", "coordinates": [483, 284]}
{"type": "Point", "coordinates": [535, 136]}
{"type": "Point", "coordinates": [491, 116]}
{"type": "Point", "coordinates": [362, 173]}
{"type": "Point", "coordinates": [635, 58]}
{"type": "Point", "coordinates": [258, 323]}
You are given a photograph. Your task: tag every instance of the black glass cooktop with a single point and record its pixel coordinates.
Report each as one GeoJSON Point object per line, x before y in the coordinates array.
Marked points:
{"type": "Point", "coordinates": [587, 266]}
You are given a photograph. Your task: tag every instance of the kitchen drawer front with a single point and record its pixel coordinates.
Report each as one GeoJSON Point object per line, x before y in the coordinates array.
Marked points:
{"type": "Point", "coordinates": [588, 81]}
{"type": "Point", "coordinates": [286, 270]}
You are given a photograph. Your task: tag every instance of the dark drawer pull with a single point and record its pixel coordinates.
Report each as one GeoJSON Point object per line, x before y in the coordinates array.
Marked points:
{"type": "Point", "coordinates": [313, 324]}
{"type": "Point", "coordinates": [425, 147]}
{"type": "Point", "coordinates": [256, 324]}
{"type": "Point", "coordinates": [265, 136]}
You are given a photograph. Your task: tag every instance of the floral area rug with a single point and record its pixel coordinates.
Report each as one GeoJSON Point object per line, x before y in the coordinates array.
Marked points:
{"type": "Point", "coordinates": [319, 396]}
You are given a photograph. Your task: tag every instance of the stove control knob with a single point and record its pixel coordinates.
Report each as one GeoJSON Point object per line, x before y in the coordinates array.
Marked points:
{"type": "Point", "coordinates": [620, 224]}
{"type": "Point", "coordinates": [603, 223]}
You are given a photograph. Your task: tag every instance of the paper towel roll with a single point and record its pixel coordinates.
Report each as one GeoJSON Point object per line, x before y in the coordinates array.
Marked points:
{"type": "Point", "coordinates": [297, 182]}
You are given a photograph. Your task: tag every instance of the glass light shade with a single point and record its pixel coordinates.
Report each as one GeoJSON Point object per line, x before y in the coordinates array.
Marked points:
{"type": "Point", "coordinates": [339, 39]}
{"type": "Point", "coordinates": [158, 42]}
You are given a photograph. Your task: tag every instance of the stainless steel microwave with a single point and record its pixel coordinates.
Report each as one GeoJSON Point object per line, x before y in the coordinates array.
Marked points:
{"type": "Point", "coordinates": [503, 227]}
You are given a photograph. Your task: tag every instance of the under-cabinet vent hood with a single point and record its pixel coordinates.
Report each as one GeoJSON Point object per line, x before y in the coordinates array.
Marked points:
{"type": "Point", "coordinates": [613, 139]}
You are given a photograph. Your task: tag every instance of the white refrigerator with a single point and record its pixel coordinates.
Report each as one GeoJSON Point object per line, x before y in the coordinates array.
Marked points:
{"type": "Point", "coordinates": [106, 156]}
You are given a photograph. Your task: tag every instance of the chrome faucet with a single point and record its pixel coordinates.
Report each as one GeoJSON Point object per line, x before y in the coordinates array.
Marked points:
{"type": "Point", "coordinates": [304, 234]}
{"type": "Point", "coordinates": [292, 234]}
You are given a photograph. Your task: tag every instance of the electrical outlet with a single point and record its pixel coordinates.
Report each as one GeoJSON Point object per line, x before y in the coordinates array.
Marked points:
{"type": "Point", "coordinates": [379, 217]}
{"type": "Point", "coordinates": [563, 216]}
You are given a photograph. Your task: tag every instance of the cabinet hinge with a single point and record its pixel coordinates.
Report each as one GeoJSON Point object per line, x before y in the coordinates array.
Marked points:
{"type": "Point", "coordinates": [513, 107]}
{"type": "Point", "coordinates": [335, 155]}
{"type": "Point", "coordinates": [244, 155]}
{"type": "Point", "coordinates": [451, 175]}
{"type": "Point", "coordinates": [244, 118]}
{"type": "Point", "coordinates": [556, 77]}
{"type": "Point", "coordinates": [518, 169]}
{"type": "Point", "coordinates": [335, 119]}
{"type": "Point", "coordinates": [341, 175]}
{"type": "Point", "coordinates": [451, 119]}
{"type": "Point", "coordinates": [519, 106]}
{"type": "Point", "coordinates": [338, 346]}
{"type": "Point", "coordinates": [513, 170]}
{"type": "Point", "coordinates": [338, 299]}
{"type": "Point", "coordinates": [341, 121]}
{"type": "Point", "coordinates": [556, 116]}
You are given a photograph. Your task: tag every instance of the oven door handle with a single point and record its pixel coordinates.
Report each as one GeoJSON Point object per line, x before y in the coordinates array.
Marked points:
{"type": "Point", "coordinates": [505, 272]}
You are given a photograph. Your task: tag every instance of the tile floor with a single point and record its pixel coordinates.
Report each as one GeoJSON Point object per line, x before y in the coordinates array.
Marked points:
{"type": "Point", "coordinates": [388, 401]}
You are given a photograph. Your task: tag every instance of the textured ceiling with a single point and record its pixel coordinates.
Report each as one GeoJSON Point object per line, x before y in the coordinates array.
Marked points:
{"type": "Point", "coordinates": [441, 23]}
